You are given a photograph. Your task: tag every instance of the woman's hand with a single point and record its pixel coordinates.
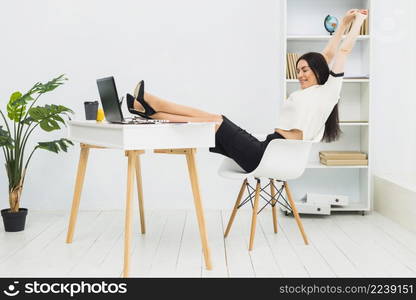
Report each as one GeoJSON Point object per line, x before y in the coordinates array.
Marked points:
{"type": "Point", "coordinates": [348, 44]}
{"type": "Point", "coordinates": [362, 13]}
{"type": "Point", "coordinates": [349, 16]}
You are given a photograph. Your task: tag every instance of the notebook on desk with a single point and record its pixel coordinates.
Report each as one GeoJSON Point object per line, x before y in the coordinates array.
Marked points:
{"type": "Point", "coordinates": [111, 105]}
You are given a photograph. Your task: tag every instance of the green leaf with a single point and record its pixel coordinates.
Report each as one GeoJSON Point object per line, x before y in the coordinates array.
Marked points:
{"type": "Point", "coordinates": [5, 138]}
{"type": "Point", "coordinates": [26, 98]}
{"type": "Point", "coordinates": [63, 146]}
{"type": "Point", "coordinates": [59, 119]}
{"type": "Point", "coordinates": [15, 96]}
{"type": "Point", "coordinates": [37, 113]}
{"type": "Point", "coordinates": [55, 146]}
{"type": "Point", "coordinates": [49, 125]}
{"type": "Point", "coordinates": [48, 116]}
{"type": "Point", "coordinates": [42, 88]}
{"type": "Point", "coordinates": [16, 106]}
{"type": "Point", "coordinates": [50, 146]}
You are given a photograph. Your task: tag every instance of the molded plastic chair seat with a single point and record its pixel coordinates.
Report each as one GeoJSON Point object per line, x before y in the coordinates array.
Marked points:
{"type": "Point", "coordinates": [283, 160]}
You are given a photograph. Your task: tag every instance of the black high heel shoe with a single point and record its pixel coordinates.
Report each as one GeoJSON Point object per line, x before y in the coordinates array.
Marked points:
{"type": "Point", "coordinates": [130, 106]}
{"type": "Point", "coordinates": [139, 96]}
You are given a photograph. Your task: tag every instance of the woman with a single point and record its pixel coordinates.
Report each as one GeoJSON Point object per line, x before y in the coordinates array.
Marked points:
{"type": "Point", "coordinates": [308, 113]}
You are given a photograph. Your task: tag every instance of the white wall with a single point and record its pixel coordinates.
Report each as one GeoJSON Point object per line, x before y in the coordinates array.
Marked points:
{"type": "Point", "coordinates": [394, 75]}
{"type": "Point", "coordinates": [220, 56]}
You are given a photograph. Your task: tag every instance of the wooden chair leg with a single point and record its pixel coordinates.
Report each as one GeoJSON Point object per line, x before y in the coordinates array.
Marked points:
{"type": "Point", "coordinates": [193, 175]}
{"type": "Point", "coordinates": [140, 194]}
{"type": "Point", "coordinates": [295, 212]}
{"type": "Point", "coordinates": [127, 226]}
{"type": "Point", "coordinates": [273, 193]}
{"type": "Point", "coordinates": [82, 165]}
{"type": "Point", "coordinates": [254, 215]}
{"type": "Point", "coordinates": [237, 203]}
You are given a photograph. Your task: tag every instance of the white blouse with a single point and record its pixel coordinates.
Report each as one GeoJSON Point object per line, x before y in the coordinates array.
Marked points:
{"type": "Point", "coordinates": [309, 108]}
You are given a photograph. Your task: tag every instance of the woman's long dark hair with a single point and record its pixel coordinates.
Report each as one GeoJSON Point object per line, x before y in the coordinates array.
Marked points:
{"type": "Point", "coordinates": [319, 66]}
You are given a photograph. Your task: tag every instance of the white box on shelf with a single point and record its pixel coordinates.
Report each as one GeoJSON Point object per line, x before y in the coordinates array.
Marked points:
{"type": "Point", "coordinates": [303, 207]}
{"type": "Point", "coordinates": [326, 198]}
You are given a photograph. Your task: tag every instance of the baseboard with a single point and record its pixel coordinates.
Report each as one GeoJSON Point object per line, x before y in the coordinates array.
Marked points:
{"type": "Point", "coordinates": [396, 199]}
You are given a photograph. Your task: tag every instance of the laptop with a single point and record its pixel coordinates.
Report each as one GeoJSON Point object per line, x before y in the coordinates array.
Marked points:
{"type": "Point", "coordinates": [111, 105]}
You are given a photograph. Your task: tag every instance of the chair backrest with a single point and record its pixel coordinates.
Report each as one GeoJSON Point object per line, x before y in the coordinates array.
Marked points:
{"type": "Point", "coordinates": [284, 159]}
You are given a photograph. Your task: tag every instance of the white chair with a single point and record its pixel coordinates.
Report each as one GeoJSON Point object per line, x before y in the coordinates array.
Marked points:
{"type": "Point", "coordinates": [283, 160]}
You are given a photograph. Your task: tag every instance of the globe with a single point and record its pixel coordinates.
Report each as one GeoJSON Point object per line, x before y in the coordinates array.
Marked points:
{"type": "Point", "coordinates": [330, 24]}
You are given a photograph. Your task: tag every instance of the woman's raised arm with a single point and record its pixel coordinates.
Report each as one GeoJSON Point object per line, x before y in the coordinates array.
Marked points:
{"type": "Point", "coordinates": [349, 42]}
{"type": "Point", "coordinates": [333, 43]}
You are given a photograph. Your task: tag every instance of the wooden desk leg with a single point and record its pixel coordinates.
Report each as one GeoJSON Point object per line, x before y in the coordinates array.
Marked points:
{"type": "Point", "coordinates": [190, 158]}
{"type": "Point", "coordinates": [129, 196]}
{"type": "Point", "coordinates": [82, 165]}
{"type": "Point", "coordinates": [140, 194]}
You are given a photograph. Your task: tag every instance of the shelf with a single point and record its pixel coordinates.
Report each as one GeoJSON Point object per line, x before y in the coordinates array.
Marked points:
{"type": "Point", "coordinates": [351, 207]}
{"type": "Point", "coordinates": [318, 165]}
{"type": "Point", "coordinates": [353, 123]}
{"type": "Point", "coordinates": [348, 80]}
{"type": "Point", "coordinates": [320, 37]}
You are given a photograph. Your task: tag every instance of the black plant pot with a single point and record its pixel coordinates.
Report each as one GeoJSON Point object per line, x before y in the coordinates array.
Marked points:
{"type": "Point", "coordinates": [14, 221]}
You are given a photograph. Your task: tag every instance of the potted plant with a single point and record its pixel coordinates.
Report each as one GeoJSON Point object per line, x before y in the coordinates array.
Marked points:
{"type": "Point", "coordinates": [25, 118]}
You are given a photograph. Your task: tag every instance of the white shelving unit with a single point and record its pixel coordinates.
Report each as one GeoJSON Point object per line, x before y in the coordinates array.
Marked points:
{"type": "Point", "coordinates": [304, 32]}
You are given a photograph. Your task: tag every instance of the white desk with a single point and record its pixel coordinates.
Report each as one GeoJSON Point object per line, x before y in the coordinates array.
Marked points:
{"type": "Point", "coordinates": [134, 139]}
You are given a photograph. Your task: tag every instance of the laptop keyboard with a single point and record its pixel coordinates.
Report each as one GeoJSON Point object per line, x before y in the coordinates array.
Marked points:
{"type": "Point", "coordinates": [144, 121]}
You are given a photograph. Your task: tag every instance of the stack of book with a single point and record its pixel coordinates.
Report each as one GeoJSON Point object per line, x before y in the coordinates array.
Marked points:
{"type": "Point", "coordinates": [363, 30]}
{"type": "Point", "coordinates": [291, 59]}
{"type": "Point", "coordinates": [343, 158]}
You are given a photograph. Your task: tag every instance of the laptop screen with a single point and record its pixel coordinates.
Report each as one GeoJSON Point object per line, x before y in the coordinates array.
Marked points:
{"type": "Point", "coordinates": [109, 99]}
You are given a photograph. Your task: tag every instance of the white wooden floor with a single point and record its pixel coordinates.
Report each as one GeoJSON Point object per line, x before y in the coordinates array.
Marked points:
{"type": "Point", "coordinates": [341, 245]}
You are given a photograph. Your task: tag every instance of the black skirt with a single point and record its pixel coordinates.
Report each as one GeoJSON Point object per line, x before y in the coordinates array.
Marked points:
{"type": "Point", "coordinates": [241, 146]}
